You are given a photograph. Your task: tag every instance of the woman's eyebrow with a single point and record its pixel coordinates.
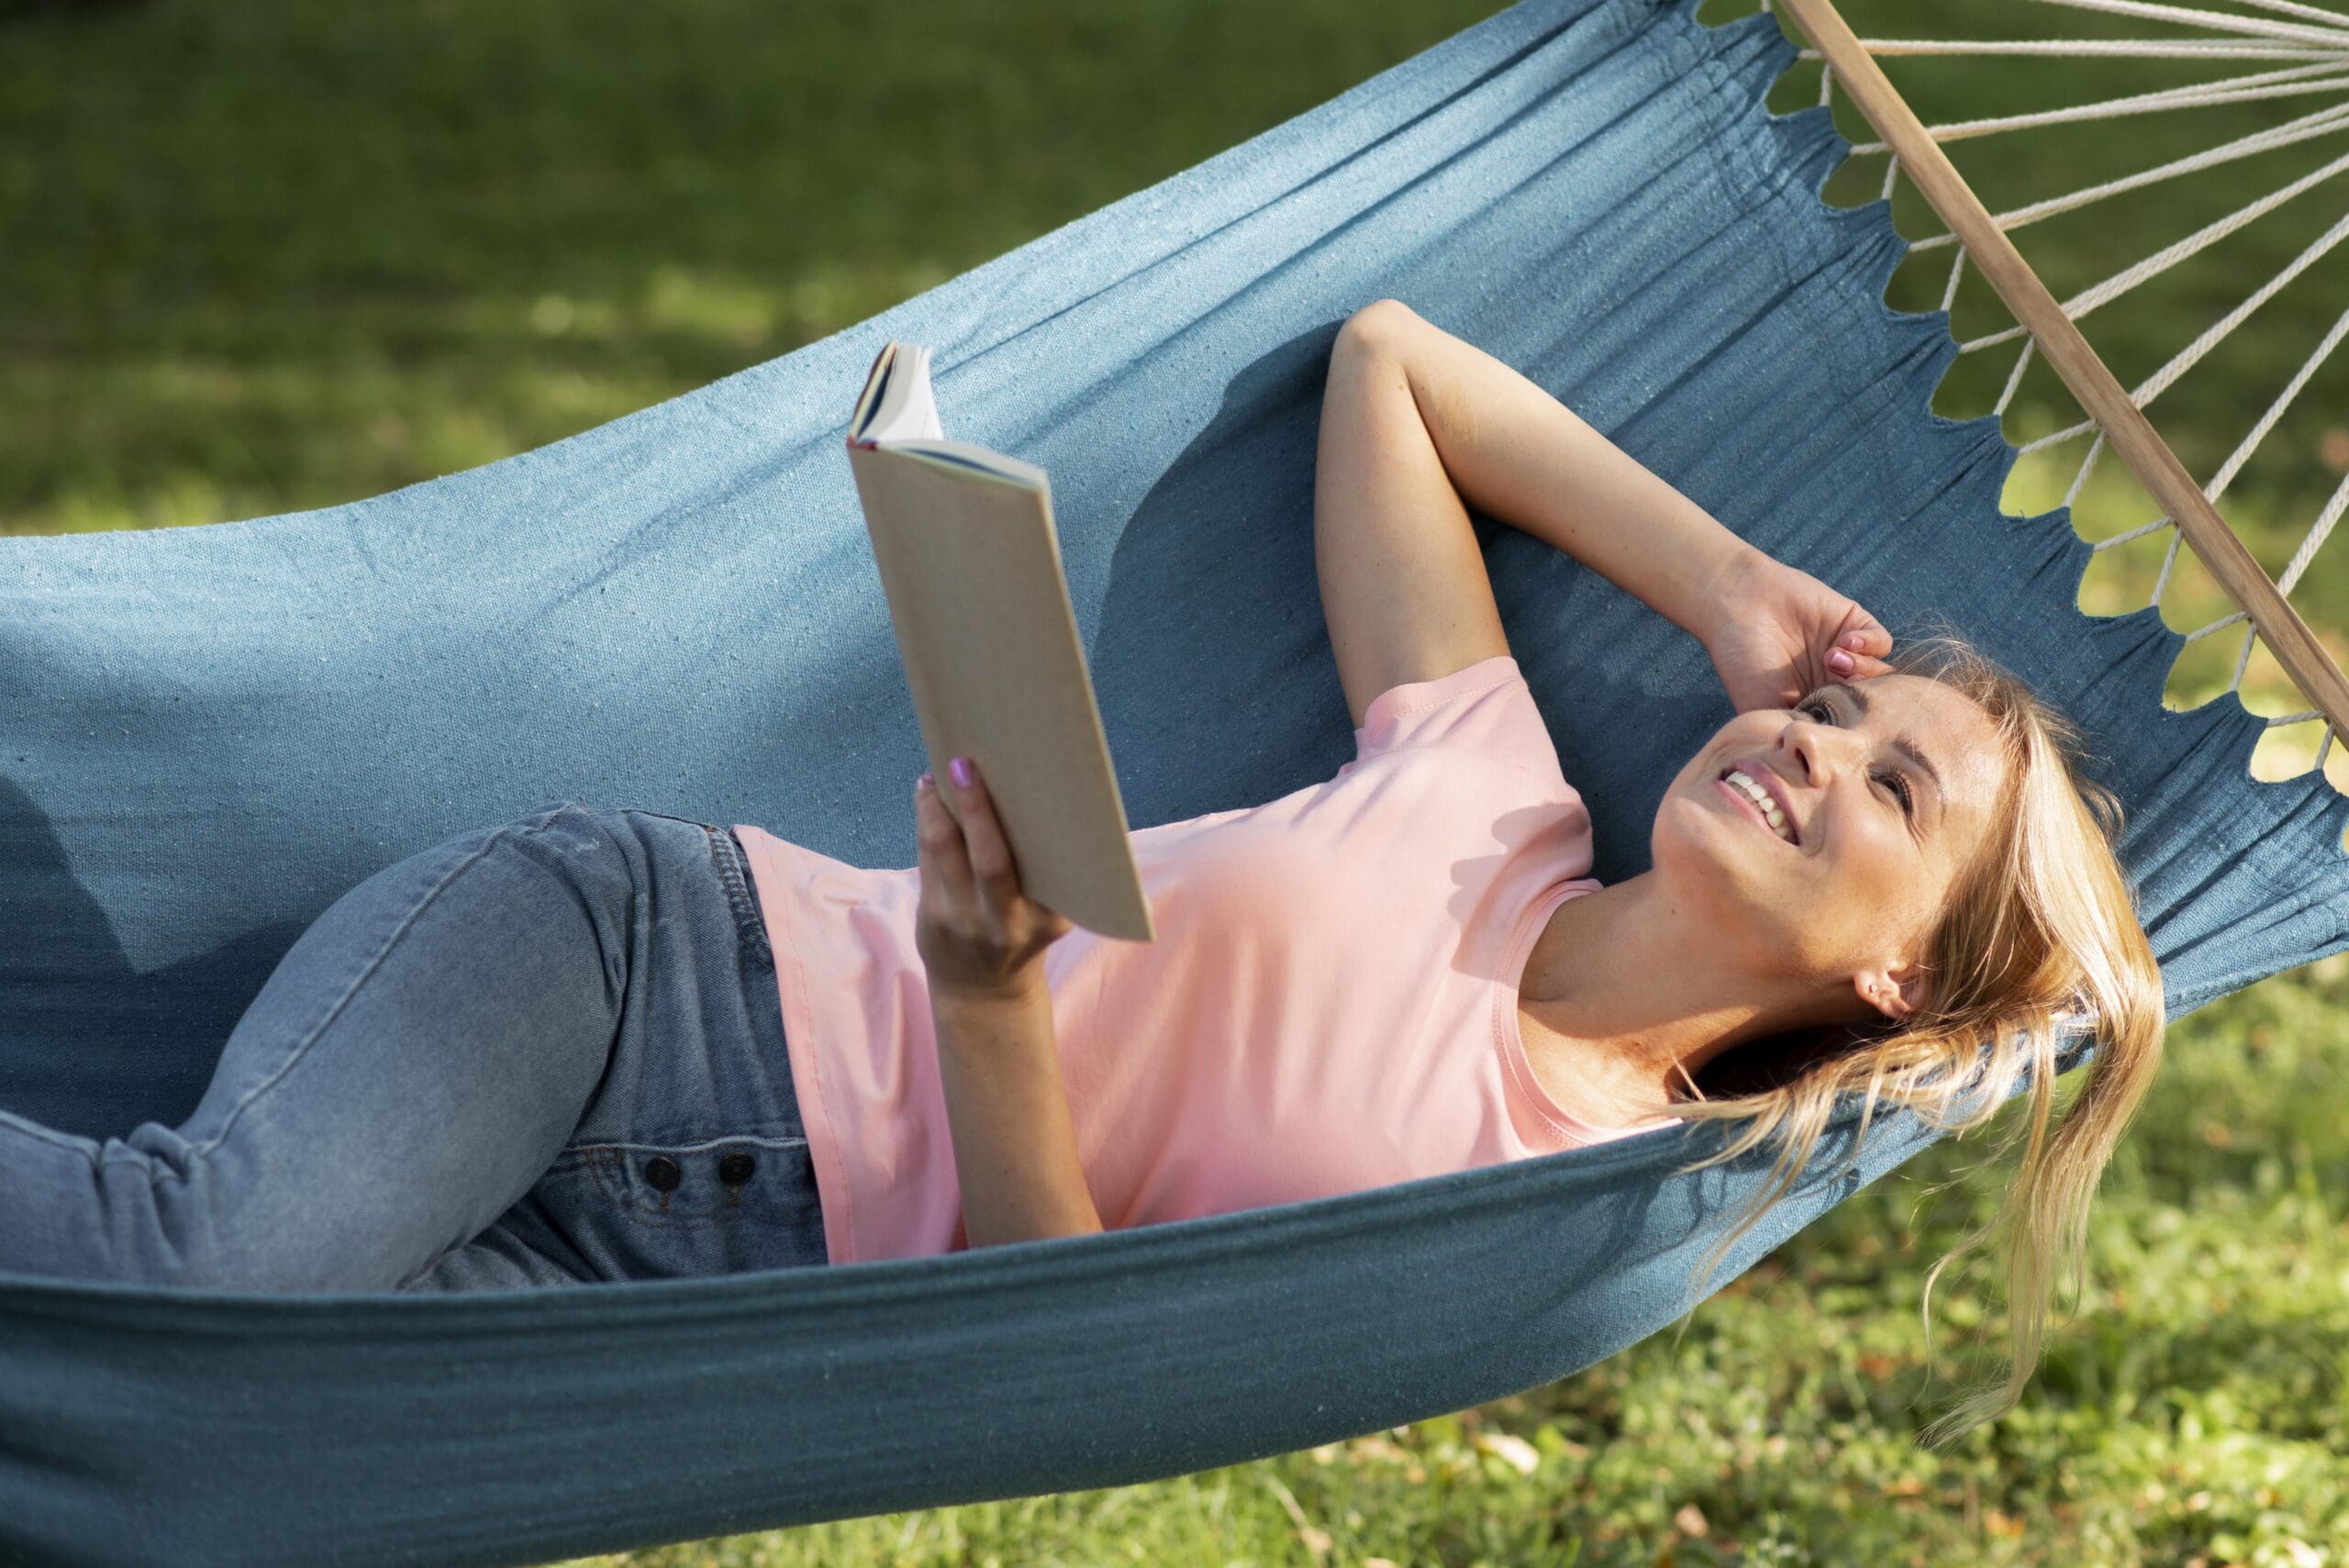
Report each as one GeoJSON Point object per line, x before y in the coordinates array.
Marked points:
{"type": "Point", "coordinates": [1900, 743]}
{"type": "Point", "coordinates": [1913, 751]}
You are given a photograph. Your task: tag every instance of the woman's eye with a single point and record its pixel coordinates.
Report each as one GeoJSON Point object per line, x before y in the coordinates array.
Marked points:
{"type": "Point", "coordinates": [1818, 706]}
{"type": "Point", "coordinates": [1898, 784]}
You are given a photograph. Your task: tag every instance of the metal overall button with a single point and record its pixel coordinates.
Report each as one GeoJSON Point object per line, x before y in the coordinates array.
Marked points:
{"type": "Point", "coordinates": [736, 1168]}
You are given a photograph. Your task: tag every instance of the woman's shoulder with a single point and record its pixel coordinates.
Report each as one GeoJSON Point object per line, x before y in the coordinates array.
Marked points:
{"type": "Point", "coordinates": [1484, 709]}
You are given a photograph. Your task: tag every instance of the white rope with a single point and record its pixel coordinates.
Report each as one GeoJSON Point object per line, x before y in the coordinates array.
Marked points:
{"type": "Point", "coordinates": [2209, 234]}
{"type": "Point", "coordinates": [2185, 357]}
{"type": "Point", "coordinates": [2322, 122]}
{"type": "Point", "coordinates": [2079, 480]}
{"type": "Point", "coordinates": [2307, 552]}
{"type": "Point", "coordinates": [2022, 363]}
{"type": "Point", "coordinates": [2185, 361]}
{"type": "Point", "coordinates": [2325, 76]}
{"type": "Point", "coordinates": [2284, 7]}
{"type": "Point", "coordinates": [2058, 438]}
{"type": "Point", "coordinates": [2336, 34]}
{"type": "Point", "coordinates": [2283, 719]}
{"type": "Point", "coordinates": [2242, 660]}
{"type": "Point", "coordinates": [2322, 51]}
{"type": "Point", "coordinates": [2217, 626]}
{"type": "Point", "coordinates": [2250, 443]}
{"type": "Point", "coordinates": [2168, 561]}
{"type": "Point", "coordinates": [2140, 531]}
{"type": "Point", "coordinates": [2082, 49]}
{"type": "Point", "coordinates": [2322, 747]}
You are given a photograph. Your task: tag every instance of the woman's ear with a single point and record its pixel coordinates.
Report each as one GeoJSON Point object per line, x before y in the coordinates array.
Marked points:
{"type": "Point", "coordinates": [1895, 992]}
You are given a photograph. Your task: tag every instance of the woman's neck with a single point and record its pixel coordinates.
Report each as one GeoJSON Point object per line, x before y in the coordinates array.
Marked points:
{"type": "Point", "coordinates": [1630, 995]}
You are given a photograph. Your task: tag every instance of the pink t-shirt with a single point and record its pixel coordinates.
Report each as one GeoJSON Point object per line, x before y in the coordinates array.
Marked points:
{"type": "Point", "coordinates": [1330, 1003]}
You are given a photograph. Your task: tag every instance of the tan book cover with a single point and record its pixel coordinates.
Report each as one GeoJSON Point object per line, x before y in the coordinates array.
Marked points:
{"type": "Point", "coordinates": [971, 564]}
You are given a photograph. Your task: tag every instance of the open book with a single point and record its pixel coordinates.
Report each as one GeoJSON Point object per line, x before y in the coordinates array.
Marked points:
{"type": "Point", "coordinates": [971, 564]}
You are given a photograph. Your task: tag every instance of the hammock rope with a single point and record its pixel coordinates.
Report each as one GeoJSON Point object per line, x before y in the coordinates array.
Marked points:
{"type": "Point", "coordinates": [2335, 35]}
{"type": "Point", "coordinates": [2120, 282]}
{"type": "Point", "coordinates": [2322, 122]}
{"type": "Point", "coordinates": [2317, 536]}
{"type": "Point", "coordinates": [2267, 421]}
{"type": "Point", "coordinates": [2289, 8]}
{"type": "Point", "coordinates": [2326, 76]}
{"type": "Point", "coordinates": [2158, 49]}
{"type": "Point", "coordinates": [2318, 41]}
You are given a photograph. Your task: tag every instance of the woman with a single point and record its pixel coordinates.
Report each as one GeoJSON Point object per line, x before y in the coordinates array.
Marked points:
{"type": "Point", "coordinates": [612, 1044]}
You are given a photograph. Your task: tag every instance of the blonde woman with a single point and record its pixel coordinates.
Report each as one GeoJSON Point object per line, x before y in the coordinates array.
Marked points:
{"type": "Point", "coordinates": [1880, 878]}
{"type": "Point", "coordinates": [600, 1044]}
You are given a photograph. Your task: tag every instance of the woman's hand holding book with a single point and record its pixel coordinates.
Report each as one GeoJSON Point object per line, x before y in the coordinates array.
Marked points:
{"type": "Point", "coordinates": [981, 942]}
{"type": "Point", "coordinates": [978, 934]}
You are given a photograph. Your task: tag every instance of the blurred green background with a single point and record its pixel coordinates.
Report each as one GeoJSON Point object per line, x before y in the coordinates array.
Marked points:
{"type": "Point", "coordinates": [267, 257]}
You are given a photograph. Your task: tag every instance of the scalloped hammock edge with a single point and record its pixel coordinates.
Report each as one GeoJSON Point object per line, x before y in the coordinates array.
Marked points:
{"type": "Point", "coordinates": [678, 611]}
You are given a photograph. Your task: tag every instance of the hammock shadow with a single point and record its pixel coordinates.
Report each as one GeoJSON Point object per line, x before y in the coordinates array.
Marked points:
{"type": "Point", "coordinates": [1220, 551]}
{"type": "Point", "coordinates": [125, 1069]}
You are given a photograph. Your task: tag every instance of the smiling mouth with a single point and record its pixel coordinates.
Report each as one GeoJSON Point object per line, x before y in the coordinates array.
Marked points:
{"type": "Point", "coordinates": [1747, 793]}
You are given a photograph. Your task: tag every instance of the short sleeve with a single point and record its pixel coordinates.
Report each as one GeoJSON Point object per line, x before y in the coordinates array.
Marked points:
{"type": "Point", "coordinates": [1485, 708]}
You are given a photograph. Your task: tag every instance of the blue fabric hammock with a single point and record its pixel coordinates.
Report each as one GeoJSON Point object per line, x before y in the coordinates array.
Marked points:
{"type": "Point", "coordinates": [208, 734]}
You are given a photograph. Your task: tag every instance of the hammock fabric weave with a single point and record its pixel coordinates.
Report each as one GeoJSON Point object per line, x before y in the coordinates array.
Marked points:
{"type": "Point", "coordinates": [208, 734]}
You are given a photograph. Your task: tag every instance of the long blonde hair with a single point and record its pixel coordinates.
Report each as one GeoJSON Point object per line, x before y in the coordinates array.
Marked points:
{"type": "Point", "coordinates": [2039, 936]}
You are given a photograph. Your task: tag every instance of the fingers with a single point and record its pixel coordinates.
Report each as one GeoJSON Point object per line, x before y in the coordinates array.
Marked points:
{"type": "Point", "coordinates": [970, 858]}
{"type": "Point", "coordinates": [1865, 668]}
{"type": "Point", "coordinates": [945, 864]}
{"type": "Point", "coordinates": [1864, 636]}
{"type": "Point", "coordinates": [1859, 648]}
{"type": "Point", "coordinates": [990, 853]}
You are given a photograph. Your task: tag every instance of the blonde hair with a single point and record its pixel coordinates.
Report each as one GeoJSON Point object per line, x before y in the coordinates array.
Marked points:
{"type": "Point", "coordinates": [2039, 936]}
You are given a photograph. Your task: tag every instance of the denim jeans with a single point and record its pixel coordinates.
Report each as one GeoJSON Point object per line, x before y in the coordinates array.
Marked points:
{"type": "Point", "coordinates": [542, 1053]}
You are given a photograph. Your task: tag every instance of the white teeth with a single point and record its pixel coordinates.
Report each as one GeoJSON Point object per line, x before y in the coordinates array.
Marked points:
{"type": "Point", "coordinates": [1762, 802]}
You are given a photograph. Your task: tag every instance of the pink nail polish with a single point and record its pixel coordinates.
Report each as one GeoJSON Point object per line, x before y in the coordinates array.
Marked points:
{"type": "Point", "coordinates": [960, 769]}
{"type": "Point", "coordinates": [1840, 662]}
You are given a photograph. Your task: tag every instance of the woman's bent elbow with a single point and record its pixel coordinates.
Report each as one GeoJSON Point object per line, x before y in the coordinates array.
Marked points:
{"type": "Point", "coordinates": [1377, 324]}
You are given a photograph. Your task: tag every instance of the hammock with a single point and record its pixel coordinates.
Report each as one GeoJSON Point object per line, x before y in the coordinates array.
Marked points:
{"type": "Point", "coordinates": [210, 733]}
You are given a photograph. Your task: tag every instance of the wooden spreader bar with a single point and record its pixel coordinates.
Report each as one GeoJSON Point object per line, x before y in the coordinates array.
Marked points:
{"type": "Point", "coordinates": [2279, 626]}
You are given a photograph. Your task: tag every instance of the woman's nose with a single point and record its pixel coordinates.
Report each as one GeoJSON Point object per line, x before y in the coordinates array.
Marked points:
{"type": "Point", "coordinates": [1816, 752]}
{"type": "Point", "coordinates": [1794, 753]}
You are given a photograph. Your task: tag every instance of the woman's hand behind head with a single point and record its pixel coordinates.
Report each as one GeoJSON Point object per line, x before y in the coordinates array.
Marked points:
{"type": "Point", "coordinates": [1781, 633]}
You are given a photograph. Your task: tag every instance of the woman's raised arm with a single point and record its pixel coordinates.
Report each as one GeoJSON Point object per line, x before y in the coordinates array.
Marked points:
{"type": "Point", "coordinates": [1519, 455]}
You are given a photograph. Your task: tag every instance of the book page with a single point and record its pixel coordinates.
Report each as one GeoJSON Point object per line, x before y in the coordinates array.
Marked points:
{"type": "Point", "coordinates": [908, 409]}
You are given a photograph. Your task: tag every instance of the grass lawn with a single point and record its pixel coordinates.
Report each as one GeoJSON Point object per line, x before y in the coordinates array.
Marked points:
{"type": "Point", "coordinates": [268, 257]}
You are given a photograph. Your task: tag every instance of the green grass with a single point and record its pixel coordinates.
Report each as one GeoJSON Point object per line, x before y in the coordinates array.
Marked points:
{"type": "Point", "coordinates": [267, 257]}
{"type": "Point", "coordinates": [271, 257]}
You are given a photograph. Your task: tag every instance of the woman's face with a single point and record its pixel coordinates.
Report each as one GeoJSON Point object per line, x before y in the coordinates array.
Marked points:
{"type": "Point", "coordinates": [1884, 790]}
